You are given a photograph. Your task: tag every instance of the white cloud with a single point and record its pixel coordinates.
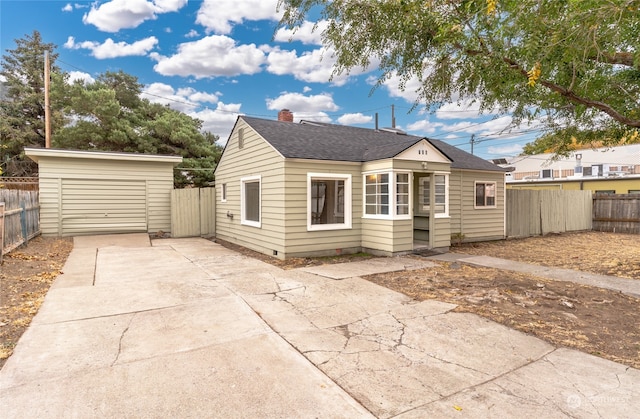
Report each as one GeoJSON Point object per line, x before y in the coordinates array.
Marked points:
{"type": "Point", "coordinates": [79, 75]}
{"type": "Point", "coordinates": [219, 121]}
{"type": "Point", "coordinates": [111, 49]}
{"type": "Point", "coordinates": [424, 126]}
{"type": "Point", "coordinates": [300, 104]}
{"type": "Point", "coordinates": [212, 56]}
{"type": "Point", "coordinates": [306, 89]}
{"type": "Point", "coordinates": [354, 118]}
{"type": "Point", "coordinates": [309, 33]}
{"type": "Point", "coordinates": [219, 16]}
{"type": "Point", "coordinates": [67, 8]}
{"type": "Point", "coordinates": [506, 150]}
{"type": "Point", "coordinates": [393, 83]}
{"type": "Point", "coordinates": [184, 99]}
{"type": "Point", "coordinates": [311, 66]}
{"type": "Point", "coordinates": [192, 34]}
{"type": "Point", "coordinates": [467, 109]}
{"type": "Point", "coordinates": [125, 14]}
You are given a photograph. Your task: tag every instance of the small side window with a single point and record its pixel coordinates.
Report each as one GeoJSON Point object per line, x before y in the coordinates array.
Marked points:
{"type": "Point", "coordinates": [223, 193]}
{"type": "Point", "coordinates": [485, 195]}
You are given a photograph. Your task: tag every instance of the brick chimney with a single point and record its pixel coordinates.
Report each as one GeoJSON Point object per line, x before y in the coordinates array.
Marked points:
{"type": "Point", "coordinates": [285, 115]}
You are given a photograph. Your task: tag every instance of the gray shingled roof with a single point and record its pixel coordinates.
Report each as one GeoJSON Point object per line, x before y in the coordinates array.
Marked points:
{"type": "Point", "coordinates": [320, 141]}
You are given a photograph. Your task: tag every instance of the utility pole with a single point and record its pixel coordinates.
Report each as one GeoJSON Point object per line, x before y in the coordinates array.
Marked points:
{"type": "Point", "coordinates": [473, 141]}
{"type": "Point", "coordinates": [47, 107]}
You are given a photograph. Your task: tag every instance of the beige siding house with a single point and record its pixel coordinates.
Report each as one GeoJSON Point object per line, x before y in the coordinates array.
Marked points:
{"type": "Point", "coordinates": [311, 189]}
{"type": "Point", "coordinates": [84, 192]}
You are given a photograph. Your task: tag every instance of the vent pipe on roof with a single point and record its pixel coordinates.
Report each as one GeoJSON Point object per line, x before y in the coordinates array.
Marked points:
{"type": "Point", "coordinates": [376, 121]}
{"type": "Point", "coordinates": [285, 115]}
{"type": "Point", "coordinates": [393, 116]}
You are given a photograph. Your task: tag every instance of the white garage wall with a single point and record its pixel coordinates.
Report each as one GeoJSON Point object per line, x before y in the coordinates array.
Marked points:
{"type": "Point", "coordinates": [124, 192]}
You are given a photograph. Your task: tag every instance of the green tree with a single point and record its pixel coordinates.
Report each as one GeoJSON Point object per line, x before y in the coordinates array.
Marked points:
{"type": "Point", "coordinates": [108, 115]}
{"type": "Point", "coordinates": [22, 105]}
{"type": "Point", "coordinates": [575, 62]}
{"type": "Point", "coordinates": [579, 140]}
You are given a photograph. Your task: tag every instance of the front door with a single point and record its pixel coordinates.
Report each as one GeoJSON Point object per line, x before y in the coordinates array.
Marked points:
{"type": "Point", "coordinates": [422, 192]}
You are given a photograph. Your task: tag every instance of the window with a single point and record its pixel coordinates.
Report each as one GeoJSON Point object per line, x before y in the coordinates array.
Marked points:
{"type": "Point", "coordinates": [606, 192]}
{"type": "Point", "coordinates": [377, 194]}
{"type": "Point", "coordinates": [328, 201]}
{"type": "Point", "coordinates": [634, 191]}
{"type": "Point", "coordinates": [440, 194]}
{"type": "Point", "coordinates": [485, 195]}
{"type": "Point", "coordinates": [250, 201]}
{"type": "Point", "coordinates": [223, 193]}
{"type": "Point", "coordinates": [402, 193]}
{"type": "Point", "coordinates": [440, 205]}
{"type": "Point", "coordinates": [386, 195]}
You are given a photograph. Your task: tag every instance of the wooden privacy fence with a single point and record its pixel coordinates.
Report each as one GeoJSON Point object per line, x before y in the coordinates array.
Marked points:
{"type": "Point", "coordinates": [616, 213]}
{"type": "Point", "coordinates": [19, 219]}
{"type": "Point", "coordinates": [539, 212]}
{"type": "Point", "coordinates": [193, 212]}
{"type": "Point", "coordinates": [22, 183]}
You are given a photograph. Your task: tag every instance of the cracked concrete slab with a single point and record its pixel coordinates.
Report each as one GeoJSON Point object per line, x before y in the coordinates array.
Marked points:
{"type": "Point", "coordinates": [65, 304]}
{"type": "Point", "coordinates": [368, 267]}
{"type": "Point", "coordinates": [160, 263]}
{"type": "Point", "coordinates": [186, 328]}
{"type": "Point", "coordinates": [259, 376]}
{"type": "Point", "coordinates": [563, 384]}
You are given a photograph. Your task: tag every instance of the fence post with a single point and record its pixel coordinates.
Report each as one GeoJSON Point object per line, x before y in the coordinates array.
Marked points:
{"type": "Point", "coordinates": [23, 222]}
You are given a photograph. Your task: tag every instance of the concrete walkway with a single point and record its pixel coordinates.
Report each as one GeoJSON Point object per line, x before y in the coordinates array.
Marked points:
{"type": "Point", "coordinates": [187, 328]}
{"type": "Point", "coordinates": [625, 285]}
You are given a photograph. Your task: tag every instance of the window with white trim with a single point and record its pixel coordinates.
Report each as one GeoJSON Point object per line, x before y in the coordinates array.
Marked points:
{"type": "Point", "coordinates": [223, 193]}
{"type": "Point", "coordinates": [250, 208]}
{"type": "Point", "coordinates": [377, 194]}
{"type": "Point", "coordinates": [485, 195]}
{"type": "Point", "coordinates": [386, 195]}
{"type": "Point", "coordinates": [402, 193]}
{"type": "Point", "coordinates": [328, 201]}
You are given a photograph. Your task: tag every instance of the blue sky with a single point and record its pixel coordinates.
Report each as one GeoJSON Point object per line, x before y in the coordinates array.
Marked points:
{"type": "Point", "coordinates": [215, 59]}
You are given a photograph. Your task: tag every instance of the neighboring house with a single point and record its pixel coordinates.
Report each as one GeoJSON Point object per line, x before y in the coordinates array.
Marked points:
{"type": "Point", "coordinates": [85, 192]}
{"type": "Point", "coordinates": [614, 170]}
{"type": "Point", "coordinates": [308, 189]}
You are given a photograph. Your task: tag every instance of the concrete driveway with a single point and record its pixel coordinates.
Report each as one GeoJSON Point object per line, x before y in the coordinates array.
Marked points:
{"type": "Point", "coordinates": [187, 328]}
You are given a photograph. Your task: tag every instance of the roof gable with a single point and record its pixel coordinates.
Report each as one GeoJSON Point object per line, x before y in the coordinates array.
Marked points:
{"type": "Point", "coordinates": [423, 151]}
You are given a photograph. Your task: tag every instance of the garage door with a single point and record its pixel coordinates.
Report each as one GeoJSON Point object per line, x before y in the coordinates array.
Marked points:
{"type": "Point", "coordinates": [103, 206]}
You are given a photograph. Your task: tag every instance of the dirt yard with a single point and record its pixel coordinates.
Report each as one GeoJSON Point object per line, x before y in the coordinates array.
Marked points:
{"type": "Point", "coordinates": [593, 320]}
{"type": "Point", "coordinates": [25, 277]}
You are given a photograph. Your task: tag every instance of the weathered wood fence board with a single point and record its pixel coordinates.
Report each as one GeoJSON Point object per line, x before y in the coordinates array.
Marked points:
{"type": "Point", "coordinates": [616, 213]}
{"type": "Point", "coordinates": [20, 218]}
{"type": "Point", "coordinates": [193, 212]}
{"type": "Point", "coordinates": [536, 212]}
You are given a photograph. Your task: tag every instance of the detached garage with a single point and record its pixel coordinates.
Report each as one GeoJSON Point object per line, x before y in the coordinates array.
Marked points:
{"type": "Point", "coordinates": [86, 192]}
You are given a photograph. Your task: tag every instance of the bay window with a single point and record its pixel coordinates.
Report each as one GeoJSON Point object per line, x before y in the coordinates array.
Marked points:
{"type": "Point", "coordinates": [386, 195]}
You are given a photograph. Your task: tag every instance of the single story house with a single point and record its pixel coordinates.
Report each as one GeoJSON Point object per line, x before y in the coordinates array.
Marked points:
{"type": "Point", "coordinates": [88, 192]}
{"type": "Point", "coordinates": [311, 189]}
{"type": "Point", "coordinates": [607, 170]}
